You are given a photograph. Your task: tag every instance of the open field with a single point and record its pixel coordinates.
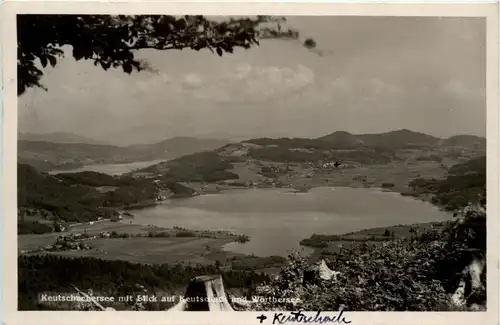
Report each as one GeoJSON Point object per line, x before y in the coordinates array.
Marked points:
{"type": "Point", "coordinates": [153, 250]}
{"type": "Point", "coordinates": [399, 174]}
{"type": "Point", "coordinates": [32, 242]}
{"type": "Point", "coordinates": [394, 176]}
{"type": "Point", "coordinates": [203, 247]}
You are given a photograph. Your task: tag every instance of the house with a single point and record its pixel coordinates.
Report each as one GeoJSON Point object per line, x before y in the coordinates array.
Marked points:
{"type": "Point", "coordinates": [116, 218]}
{"type": "Point", "coordinates": [59, 227]}
{"type": "Point", "coordinates": [105, 234]}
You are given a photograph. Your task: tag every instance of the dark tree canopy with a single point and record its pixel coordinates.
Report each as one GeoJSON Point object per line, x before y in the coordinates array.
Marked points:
{"type": "Point", "coordinates": [111, 41]}
{"type": "Point", "coordinates": [310, 43]}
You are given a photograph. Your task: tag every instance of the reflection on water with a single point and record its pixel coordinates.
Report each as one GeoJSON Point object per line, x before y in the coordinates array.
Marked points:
{"type": "Point", "coordinates": [276, 220]}
{"type": "Point", "coordinates": [111, 169]}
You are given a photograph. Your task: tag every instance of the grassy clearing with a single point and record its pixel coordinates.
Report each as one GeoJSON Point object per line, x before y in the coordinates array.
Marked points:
{"type": "Point", "coordinates": [397, 173]}
{"type": "Point", "coordinates": [152, 250]}
{"type": "Point", "coordinates": [151, 245]}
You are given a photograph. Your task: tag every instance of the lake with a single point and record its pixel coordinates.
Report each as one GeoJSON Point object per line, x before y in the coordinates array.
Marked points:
{"type": "Point", "coordinates": [111, 169]}
{"type": "Point", "coordinates": [276, 220]}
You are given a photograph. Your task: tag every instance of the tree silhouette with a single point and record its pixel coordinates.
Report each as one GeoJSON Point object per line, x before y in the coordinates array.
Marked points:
{"type": "Point", "coordinates": [111, 41]}
{"type": "Point", "coordinates": [310, 43]}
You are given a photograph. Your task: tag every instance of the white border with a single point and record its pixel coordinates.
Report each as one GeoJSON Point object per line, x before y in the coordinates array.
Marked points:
{"type": "Point", "coordinates": [9, 159]}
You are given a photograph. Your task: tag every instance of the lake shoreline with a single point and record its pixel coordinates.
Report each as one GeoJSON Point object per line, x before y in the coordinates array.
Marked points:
{"type": "Point", "coordinates": [237, 194]}
{"type": "Point", "coordinates": [291, 184]}
{"type": "Point", "coordinates": [199, 250]}
{"type": "Point", "coordinates": [329, 244]}
{"type": "Point", "coordinates": [138, 243]}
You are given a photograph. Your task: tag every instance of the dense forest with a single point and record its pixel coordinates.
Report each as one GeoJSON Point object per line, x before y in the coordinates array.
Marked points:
{"type": "Point", "coordinates": [48, 273]}
{"type": "Point", "coordinates": [85, 196]}
{"type": "Point", "coordinates": [465, 183]}
{"type": "Point", "coordinates": [206, 166]}
{"type": "Point", "coordinates": [80, 197]}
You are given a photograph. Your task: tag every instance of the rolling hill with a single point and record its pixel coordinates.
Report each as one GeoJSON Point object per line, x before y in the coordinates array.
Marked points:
{"type": "Point", "coordinates": [399, 139]}
{"type": "Point", "coordinates": [46, 156]}
{"type": "Point", "coordinates": [342, 138]}
{"type": "Point", "coordinates": [394, 140]}
{"type": "Point", "coordinates": [364, 149]}
{"type": "Point", "coordinates": [465, 141]}
{"type": "Point", "coordinates": [80, 196]}
{"type": "Point", "coordinates": [178, 146]}
{"type": "Point", "coordinates": [47, 193]}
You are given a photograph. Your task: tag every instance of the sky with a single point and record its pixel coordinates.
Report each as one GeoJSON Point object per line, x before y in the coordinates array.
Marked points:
{"type": "Point", "coordinates": [425, 74]}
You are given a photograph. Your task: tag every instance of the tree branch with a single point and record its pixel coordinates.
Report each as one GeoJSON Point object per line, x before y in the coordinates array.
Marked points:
{"type": "Point", "coordinates": [111, 40]}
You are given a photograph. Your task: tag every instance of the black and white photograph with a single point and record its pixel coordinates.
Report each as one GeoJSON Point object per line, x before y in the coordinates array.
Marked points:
{"type": "Point", "coordinates": [251, 163]}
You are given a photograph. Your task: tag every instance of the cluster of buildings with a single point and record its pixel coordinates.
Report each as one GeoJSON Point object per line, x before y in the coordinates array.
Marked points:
{"type": "Point", "coordinates": [70, 242]}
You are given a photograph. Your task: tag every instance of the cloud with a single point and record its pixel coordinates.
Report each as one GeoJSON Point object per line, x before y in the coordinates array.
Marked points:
{"type": "Point", "coordinates": [243, 83]}
{"type": "Point", "coordinates": [250, 84]}
{"type": "Point", "coordinates": [379, 86]}
{"type": "Point", "coordinates": [247, 83]}
{"type": "Point", "coordinates": [459, 89]}
{"type": "Point", "coordinates": [192, 80]}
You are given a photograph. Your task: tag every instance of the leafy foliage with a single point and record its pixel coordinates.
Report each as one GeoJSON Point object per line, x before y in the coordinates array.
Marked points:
{"type": "Point", "coordinates": [111, 41]}
{"type": "Point", "coordinates": [391, 276]}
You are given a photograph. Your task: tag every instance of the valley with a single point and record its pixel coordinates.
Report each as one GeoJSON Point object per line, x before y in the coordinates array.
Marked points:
{"type": "Point", "coordinates": [50, 156]}
{"type": "Point", "coordinates": [199, 210]}
{"type": "Point", "coordinates": [78, 200]}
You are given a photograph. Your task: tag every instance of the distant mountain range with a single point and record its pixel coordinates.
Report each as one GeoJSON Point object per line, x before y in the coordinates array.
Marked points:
{"type": "Point", "coordinates": [58, 137]}
{"type": "Point", "coordinates": [178, 146]}
{"type": "Point", "coordinates": [363, 149]}
{"type": "Point", "coordinates": [402, 139]}
{"type": "Point", "coordinates": [67, 152]}
{"type": "Point", "coordinates": [46, 156]}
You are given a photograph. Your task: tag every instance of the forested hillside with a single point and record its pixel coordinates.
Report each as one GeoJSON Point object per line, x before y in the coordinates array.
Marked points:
{"type": "Point", "coordinates": [86, 196]}
{"type": "Point", "coordinates": [465, 183]}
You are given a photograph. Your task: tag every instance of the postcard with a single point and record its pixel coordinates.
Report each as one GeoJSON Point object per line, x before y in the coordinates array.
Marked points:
{"type": "Point", "coordinates": [257, 163]}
